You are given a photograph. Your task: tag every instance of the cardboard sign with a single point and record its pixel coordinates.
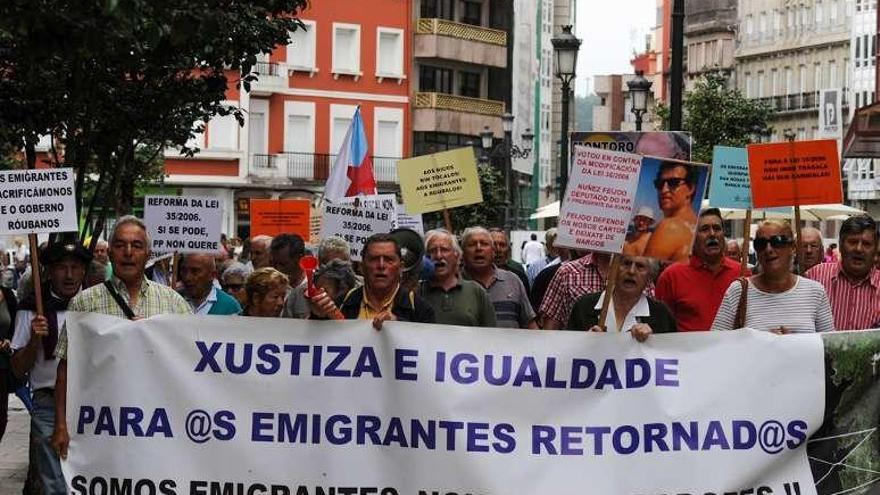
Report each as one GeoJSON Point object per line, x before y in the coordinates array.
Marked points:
{"type": "Point", "coordinates": [37, 201]}
{"type": "Point", "coordinates": [315, 222]}
{"type": "Point", "coordinates": [599, 200]}
{"type": "Point", "coordinates": [184, 224]}
{"type": "Point", "coordinates": [666, 209]}
{"type": "Point", "coordinates": [442, 180]}
{"type": "Point", "coordinates": [407, 221]}
{"type": "Point", "coordinates": [666, 144]}
{"type": "Point", "coordinates": [280, 216]}
{"type": "Point", "coordinates": [356, 219]}
{"type": "Point", "coordinates": [795, 173]}
{"type": "Point", "coordinates": [729, 185]}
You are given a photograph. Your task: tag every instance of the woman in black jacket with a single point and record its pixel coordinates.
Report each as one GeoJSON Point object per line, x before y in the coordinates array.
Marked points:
{"type": "Point", "coordinates": [8, 307]}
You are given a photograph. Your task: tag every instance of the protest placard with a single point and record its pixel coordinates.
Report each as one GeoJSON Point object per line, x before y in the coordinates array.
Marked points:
{"type": "Point", "coordinates": [407, 221]}
{"type": "Point", "coordinates": [183, 224]}
{"type": "Point", "coordinates": [315, 222]}
{"type": "Point", "coordinates": [356, 219]}
{"type": "Point", "coordinates": [325, 405]}
{"type": "Point", "coordinates": [281, 216]}
{"type": "Point", "coordinates": [665, 144]}
{"type": "Point", "coordinates": [729, 183]}
{"type": "Point", "coordinates": [39, 201]}
{"type": "Point", "coordinates": [795, 173]}
{"type": "Point", "coordinates": [599, 199]}
{"type": "Point", "coordinates": [439, 181]}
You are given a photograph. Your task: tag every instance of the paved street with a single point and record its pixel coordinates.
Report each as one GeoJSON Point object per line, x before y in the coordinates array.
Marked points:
{"type": "Point", "coordinates": [14, 449]}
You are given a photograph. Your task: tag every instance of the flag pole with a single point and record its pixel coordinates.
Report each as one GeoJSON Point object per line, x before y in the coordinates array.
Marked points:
{"type": "Point", "coordinates": [609, 290]}
{"type": "Point", "coordinates": [35, 273]}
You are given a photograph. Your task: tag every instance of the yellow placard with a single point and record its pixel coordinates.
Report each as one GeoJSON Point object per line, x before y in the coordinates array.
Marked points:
{"type": "Point", "coordinates": [442, 180]}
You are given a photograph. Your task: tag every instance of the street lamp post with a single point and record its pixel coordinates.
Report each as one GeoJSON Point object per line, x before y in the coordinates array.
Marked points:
{"type": "Point", "coordinates": [638, 92]}
{"type": "Point", "coordinates": [566, 46]}
{"type": "Point", "coordinates": [507, 151]}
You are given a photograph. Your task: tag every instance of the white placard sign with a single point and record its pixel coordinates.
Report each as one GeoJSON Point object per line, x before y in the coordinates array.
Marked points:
{"type": "Point", "coordinates": [183, 224]}
{"type": "Point", "coordinates": [356, 219]}
{"type": "Point", "coordinates": [39, 201]}
{"type": "Point", "coordinates": [599, 199]}
{"type": "Point", "coordinates": [407, 221]}
{"type": "Point", "coordinates": [200, 405]}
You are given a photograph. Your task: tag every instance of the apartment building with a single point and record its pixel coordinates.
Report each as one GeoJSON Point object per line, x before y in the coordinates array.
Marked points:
{"type": "Point", "coordinates": [788, 52]}
{"type": "Point", "coordinates": [299, 110]}
{"type": "Point", "coordinates": [710, 38]}
{"type": "Point", "coordinates": [861, 175]}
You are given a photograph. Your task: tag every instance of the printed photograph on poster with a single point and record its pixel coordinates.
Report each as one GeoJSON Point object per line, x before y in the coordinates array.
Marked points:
{"type": "Point", "coordinates": [673, 144]}
{"type": "Point", "coordinates": [666, 208]}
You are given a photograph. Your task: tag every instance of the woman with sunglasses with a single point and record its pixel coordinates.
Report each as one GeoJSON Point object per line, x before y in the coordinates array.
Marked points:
{"type": "Point", "coordinates": [776, 300]}
{"type": "Point", "coordinates": [232, 281]}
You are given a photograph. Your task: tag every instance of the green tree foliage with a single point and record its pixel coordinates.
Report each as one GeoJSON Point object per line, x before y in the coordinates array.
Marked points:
{"type": "Point", "coordinates": [119, 81]}
{"type": "Point", "coordinates": [489, 213]}
{"type": "Point", "coordinates": [716, 114]}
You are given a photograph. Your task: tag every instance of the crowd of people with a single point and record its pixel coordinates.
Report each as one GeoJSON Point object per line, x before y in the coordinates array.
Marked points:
{"type": "Point", "coordinates": [470, 280]}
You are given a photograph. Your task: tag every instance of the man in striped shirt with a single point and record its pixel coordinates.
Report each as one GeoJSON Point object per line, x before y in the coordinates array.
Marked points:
{"type": "Point", "coordinates": [853, 283]}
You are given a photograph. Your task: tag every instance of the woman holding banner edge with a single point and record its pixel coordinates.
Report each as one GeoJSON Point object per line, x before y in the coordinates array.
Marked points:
{"type": "Point", "coordinates": [775, 300]}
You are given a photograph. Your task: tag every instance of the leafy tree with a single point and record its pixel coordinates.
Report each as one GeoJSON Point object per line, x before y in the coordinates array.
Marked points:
{"type": "Point", "coordinates": [716, 114]}
{"type": "Point", "coordinates": [489, 213]}
{"type": "Point", "coordinates": [119, 81]}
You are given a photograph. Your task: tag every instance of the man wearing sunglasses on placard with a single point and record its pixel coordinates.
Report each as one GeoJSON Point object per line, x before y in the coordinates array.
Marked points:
{"type": "Point", "coordinates": [676, 184]}
{"type": "Point", "coordinates": [776, 300]}
{"type": "Point", "coordinates": [853, 283]}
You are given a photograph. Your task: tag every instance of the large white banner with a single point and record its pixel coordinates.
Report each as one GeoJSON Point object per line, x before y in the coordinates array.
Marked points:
{"type": "Point", "coordinates": [236, 405]}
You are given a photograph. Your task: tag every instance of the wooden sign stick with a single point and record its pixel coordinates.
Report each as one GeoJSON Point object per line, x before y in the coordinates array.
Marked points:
{"type": "Point", "coordinates": [609, 290]}
{"type": "Point", "coordinates": [35, 273]}
{"type": "Point", "coordinates": [747, 238]}
{"type": "Point", "coordinates": [797, 240]}
{"type": "Point", "coordinates": [174, 264]}
{"type": "Point", "coordinates": [447, 220]}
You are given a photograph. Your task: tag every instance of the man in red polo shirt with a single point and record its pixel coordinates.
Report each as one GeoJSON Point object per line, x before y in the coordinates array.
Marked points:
{"type": "Point", "coordinates": [693, 290]}
{"type": "Point", "coordinates": [853, 283]}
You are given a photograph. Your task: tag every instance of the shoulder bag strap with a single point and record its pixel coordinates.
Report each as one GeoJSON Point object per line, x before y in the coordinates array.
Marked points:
{"type": "Point", "coordinates": [119, 301]}
{"type": "Point", "coordinates": [740, 319]}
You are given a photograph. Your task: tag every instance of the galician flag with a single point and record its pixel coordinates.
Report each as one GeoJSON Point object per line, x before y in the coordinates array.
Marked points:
{"type": "Point", "coordinates": [352, 173]}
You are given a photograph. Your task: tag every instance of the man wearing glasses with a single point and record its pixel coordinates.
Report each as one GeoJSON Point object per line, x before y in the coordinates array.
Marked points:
{"type": "Point", "coordinates": [676, 184]}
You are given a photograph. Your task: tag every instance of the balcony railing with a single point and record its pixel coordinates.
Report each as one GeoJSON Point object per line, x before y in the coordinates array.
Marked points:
{"type": "Point", "coordinates": [267, 69]}
{"type": "Point", "coordinates": [312, 167]}
{"type": "Point", "coordinates": [797, 102]}
{"type": "Point", "coordinates": [462, 31]}
{"type": "Point", "coordinates": [442, 101]}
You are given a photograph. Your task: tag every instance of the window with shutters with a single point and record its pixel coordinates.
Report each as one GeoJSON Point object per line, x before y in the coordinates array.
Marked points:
{"type": "Point", "coordinates": [301, 49]}
{"type": "Point", "coordinates": [389, 53]}
{"type": "Point", "coordinates": [223, 133]}
{"type": "Point", "coordinates": [346, 49]}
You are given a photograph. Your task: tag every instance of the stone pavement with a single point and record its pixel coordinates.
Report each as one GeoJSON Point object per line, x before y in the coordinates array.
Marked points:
{"type": "Point", "coordinates": [14, 449]}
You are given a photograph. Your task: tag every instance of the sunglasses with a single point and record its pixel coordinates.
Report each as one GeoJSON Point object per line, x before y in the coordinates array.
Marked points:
{"type": "Point", "coordinates": [777, 241]}
{"type": "Point", "coordinates": [672, 183]}
{"type": "Point", "coordinates": [234, 286]}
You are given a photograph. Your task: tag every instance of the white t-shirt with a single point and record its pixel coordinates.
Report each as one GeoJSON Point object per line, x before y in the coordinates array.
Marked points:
{"type": "Point", "coordinates": [43, 373]}
{"type": "Point", "coordinates": [532, 252]}
{"type": "Point", "coordinates": [802, 309]}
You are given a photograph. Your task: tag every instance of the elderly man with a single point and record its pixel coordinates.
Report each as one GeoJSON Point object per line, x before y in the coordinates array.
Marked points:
{"type": "Point", "coordinates": [503, 259]}
{"type": "Point", "coordinates": [455, 301]}
{"type": "Point", "coordinates": [572, 280]}
{"type": "Point", "coordinates": [733, 251]}
{"type": "Point", "coordinates": [128, 294]}
{"type": "Point", "coordinates": [693, 291]}
{"type": "Point", "coordinates": [812, 248]}
{"type": "Point", "coordinates": [853, 283]}
{"type": "Point", "coordinates": [259, 249]}
{"type": "Point", "coordinates": [198, 273]}
{"type": "Point", "coordinates": [380, 299]}
{"type": "Point", "coordinates": [506, 291]}
{"type": "Point", "coordinates": [676, 184]}
{"type": "Point", "coordinates": [285, 253]}
{"type": "Point", "coordinates": [34, 343]}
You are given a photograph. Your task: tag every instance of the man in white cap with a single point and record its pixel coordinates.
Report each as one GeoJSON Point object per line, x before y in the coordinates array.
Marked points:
{"type": "Point", "coordinates": [638, 238]}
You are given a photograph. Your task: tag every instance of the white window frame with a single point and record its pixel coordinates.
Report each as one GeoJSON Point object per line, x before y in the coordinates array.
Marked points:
{"type": "Point", "coordinates": [212, 129]}
{"type": "Point", "coordinates": [299, 108]}
{"type": "Point", "coordinates": [343, 112]}
{"type": "Point", "coordinates": [310, 66]}
{"type": "Point", "coordinates": [400, 76]}
{"type": "Point", "coordinates": [388, 115]}
{"type": "Point", "coordinates": [337, 71]}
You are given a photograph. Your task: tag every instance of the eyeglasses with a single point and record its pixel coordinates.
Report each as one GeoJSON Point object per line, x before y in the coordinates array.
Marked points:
{"type": "Point", "coordinates": [776, 241]}
{"type": "Point", "coordinates": [234, 286]}
{"type": "Point", "coordinates": [672, 183]}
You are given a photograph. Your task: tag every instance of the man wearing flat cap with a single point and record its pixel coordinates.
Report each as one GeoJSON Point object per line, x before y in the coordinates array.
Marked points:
{"type": "Point", "coordinates": [34, 344]}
